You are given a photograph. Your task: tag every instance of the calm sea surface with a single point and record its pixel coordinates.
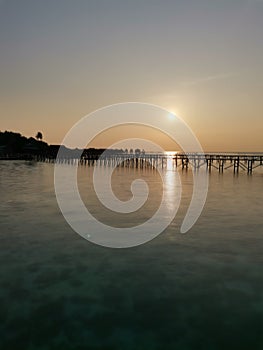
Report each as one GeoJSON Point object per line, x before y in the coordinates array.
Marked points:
{"type": "Point", "coordinates": [200, 290]}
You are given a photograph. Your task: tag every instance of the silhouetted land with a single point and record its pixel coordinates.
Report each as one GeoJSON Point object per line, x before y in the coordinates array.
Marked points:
{"type": "Point", "coordinates": [15, 146]}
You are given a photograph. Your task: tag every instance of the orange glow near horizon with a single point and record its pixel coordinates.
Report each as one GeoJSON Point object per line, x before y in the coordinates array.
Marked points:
{"type": "Point", "coordinates": [54, 70]}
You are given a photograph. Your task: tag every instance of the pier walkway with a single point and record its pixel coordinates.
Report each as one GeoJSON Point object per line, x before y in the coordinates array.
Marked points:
{"type": "Point", "coordinates": [219, 162]}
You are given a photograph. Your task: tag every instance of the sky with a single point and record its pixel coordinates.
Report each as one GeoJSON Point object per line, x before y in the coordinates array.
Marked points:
{"type": "Point", "coordinates": [201, 59]}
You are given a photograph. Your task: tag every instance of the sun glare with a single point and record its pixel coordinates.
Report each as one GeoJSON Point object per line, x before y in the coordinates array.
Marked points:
{"type": "Point", "coordinates": [171, 116]}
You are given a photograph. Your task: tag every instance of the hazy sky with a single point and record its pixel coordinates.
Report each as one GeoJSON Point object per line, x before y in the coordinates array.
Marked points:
{"type": "Point", "coordinates": [202, 59]}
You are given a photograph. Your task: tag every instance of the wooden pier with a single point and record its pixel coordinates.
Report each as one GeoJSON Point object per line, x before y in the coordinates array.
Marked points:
{"type": "Point", "coordinates": [219, 162]}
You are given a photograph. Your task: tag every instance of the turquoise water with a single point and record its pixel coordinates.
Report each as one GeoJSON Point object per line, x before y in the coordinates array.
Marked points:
{"type": "Point", "coordinates": [200, 290]}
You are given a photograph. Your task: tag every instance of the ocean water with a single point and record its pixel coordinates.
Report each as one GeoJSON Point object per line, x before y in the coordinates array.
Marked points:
{"type": "Point", "coordinates": [199, 290]}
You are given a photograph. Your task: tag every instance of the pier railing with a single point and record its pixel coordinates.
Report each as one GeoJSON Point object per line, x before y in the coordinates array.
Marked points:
{"type": "Point", "coordinates": [216, 161]}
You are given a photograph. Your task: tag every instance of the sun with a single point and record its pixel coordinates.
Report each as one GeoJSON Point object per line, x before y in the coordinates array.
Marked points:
{"type": "Point", "coordinates": [171, 116]}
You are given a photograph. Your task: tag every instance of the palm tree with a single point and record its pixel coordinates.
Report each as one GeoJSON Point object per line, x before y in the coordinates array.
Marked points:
{"type": "Point", "coordinates": [39, 136]}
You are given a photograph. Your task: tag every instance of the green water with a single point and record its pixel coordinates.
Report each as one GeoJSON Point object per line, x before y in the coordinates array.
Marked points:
{"type": "Point", "coordinates": [201, 290]}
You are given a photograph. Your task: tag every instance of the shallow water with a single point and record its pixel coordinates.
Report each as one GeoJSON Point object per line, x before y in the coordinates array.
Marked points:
{"type": "Point", "coordinates": [200, 290]}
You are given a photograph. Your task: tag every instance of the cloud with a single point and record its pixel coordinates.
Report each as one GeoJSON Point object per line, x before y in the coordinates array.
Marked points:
{"type": "Point", "coordinates": [209, 78]}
